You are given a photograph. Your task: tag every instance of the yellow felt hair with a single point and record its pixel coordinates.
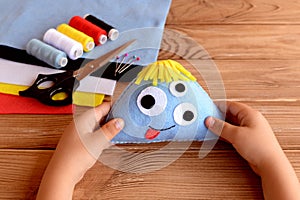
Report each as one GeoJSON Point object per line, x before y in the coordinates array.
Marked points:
{"type": "Point", "coordinates": [164, 71]}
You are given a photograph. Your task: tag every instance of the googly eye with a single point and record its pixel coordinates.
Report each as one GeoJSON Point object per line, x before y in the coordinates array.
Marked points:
{"type": "Point", "coordinates": [185, 114]}
{"type": "Point", "coordinates": [152, 101]}
{"type": "Point", "coordinates": [178, 88]}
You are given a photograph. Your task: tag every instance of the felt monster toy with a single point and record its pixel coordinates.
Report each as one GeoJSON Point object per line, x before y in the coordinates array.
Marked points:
{"type": "Point", "coordinates": [164, 103]}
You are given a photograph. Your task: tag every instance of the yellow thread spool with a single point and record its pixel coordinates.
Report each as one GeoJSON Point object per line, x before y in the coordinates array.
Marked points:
{"type": "Point", "coordinates": [86, 41]}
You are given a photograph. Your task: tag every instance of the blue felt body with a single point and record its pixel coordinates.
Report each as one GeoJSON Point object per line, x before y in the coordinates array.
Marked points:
{"type": "Point", "coordinates": [137, 123]}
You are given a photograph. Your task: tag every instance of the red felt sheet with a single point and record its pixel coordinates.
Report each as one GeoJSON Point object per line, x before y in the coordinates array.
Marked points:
{"type": "Point", "coordinates": [11, 104]}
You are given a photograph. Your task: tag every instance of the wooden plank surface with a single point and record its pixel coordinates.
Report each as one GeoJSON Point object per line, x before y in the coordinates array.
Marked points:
{"type": "Point", "coordinates": [234, 12]}
{"type": "Point", "coordinates": [256, 47]}
{"type": "Point", "coordinates": [243, 42]}
{"type": "Point", "coordinates": [187, 178]}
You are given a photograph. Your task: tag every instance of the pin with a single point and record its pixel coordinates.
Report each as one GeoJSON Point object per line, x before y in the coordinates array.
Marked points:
{"type": "Point", "coordinates": [122, 66]}
{"type": "Point", "coordinates": [134, 58]}
{"type": "Point", "coordinates": [118, 67]}
{"type": "Point", "coordinates": [117, 58]}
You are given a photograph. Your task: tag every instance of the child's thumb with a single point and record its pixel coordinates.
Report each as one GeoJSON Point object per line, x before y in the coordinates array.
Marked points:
{"type": "Point", "coordinates": [99, 140]}
{"type": "Point", "coordinates": [221, 128]}
{"type": "Point", "coordinates": [112, 128]}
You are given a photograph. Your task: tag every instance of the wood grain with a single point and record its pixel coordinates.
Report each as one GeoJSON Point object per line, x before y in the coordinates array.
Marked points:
{"type": "Point", "coordinates": [32, 131]}
{"type": "Point", "coordinates": [234, 12]}
{"type": "Point", "coordinates": [256, 48]}
{"type": "Point", "coordinates": [21, 172]}
{"type": "Point", "coordinates": [221, 175]}
{"type": "Point", "coordinates": [234, 42]}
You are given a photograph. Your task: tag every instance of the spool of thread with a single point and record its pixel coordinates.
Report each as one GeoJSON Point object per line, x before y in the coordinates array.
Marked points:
{"type": "Point", "coordinates": [71, 47]}
{"type": "Point", "coordinates": [97, 33]}
{"type": "Point", "coordinates": [86, 41]}
{"type": "Point", "coordinates": [113, 33]}
{"type": "Point", "coordinates": [46, 53]}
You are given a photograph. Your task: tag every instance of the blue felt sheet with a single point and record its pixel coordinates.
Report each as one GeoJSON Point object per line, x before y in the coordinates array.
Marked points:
{"type": "Point", "coordinates": [22, 20]}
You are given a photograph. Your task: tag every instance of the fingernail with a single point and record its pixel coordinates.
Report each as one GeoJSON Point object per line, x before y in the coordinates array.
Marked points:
{"type": "Point", "coordinates": [211, 121]}
{"type": "Point", "coordinates": [119, 123]}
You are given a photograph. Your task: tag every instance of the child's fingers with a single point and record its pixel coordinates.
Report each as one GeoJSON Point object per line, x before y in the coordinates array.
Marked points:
{"type": "Point", "coordinates": [102, 110]}
{"type": "Point", "coordinates": [222, 129]}
{"type": "Point", "coordinates": [112, 128]}
{"type": "Point", "coordinates": [89, 120]}
{"type": "Point", "coordinates": [99, 140]}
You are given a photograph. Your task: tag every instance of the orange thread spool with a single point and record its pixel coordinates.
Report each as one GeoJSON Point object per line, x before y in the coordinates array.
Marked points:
{"type": "Point", "coordinates": [99, 35]}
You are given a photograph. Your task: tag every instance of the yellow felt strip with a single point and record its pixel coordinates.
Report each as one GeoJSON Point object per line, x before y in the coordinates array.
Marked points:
{"type": "Point", "coordinates": [140, 76]}
{"type": "Point", "coordinates": [153, 74]}
{"type": "Point", "coordinates": [151, 70]}
{"type": "Point", "coordinates": [168, 76]}
{"type": "Point", "coordinates": [169, 73]}
{"type": "Point", "coordinates": [87, 99]}
{"type": "Point", "coordinates": [181, 69]}
{"type": "Point", "coordinates": [155, 81]}
{"type": "Point", "coordinates": [79, 98]}
{"type": "Point", "coordinates": [183, 78]}
{"type": "Point", "coordinates": [160, 73]}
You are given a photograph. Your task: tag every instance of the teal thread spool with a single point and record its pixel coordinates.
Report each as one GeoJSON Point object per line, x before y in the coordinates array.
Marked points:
{"type": "Point", "coordinates": [46, 53]}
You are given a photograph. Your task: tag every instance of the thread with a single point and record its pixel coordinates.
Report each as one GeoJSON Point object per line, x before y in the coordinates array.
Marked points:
{"type": "Point", "coordinates": [86, 41]}
{"type": "Point", "coordinates": [112, 32]}
{"type": "Point", "coordinates": [71, 47]}
{"type": "Point", "coordinates": [97, 33]}
{"type": "Point", "coordinates": [46, 53]}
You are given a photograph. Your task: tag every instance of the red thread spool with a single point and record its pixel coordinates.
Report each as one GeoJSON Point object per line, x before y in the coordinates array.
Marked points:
{"type": "Point", "coordinates": [99, 35]}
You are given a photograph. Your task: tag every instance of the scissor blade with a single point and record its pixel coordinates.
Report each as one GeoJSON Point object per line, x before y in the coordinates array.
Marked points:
{"type": "Point", "coordinates": [96, 64]}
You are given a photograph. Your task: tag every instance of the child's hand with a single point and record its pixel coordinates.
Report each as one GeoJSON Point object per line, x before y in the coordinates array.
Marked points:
{"type": "Point", "coordinates": [78, 149]}
{"type": "Point", "coordinates": [249, 133]}
{"type": "Point", "coordinates": [83, 140]}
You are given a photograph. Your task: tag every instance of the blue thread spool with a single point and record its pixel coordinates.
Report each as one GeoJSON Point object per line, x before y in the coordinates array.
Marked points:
{"type": "Point", "coordinates": [46, 53]}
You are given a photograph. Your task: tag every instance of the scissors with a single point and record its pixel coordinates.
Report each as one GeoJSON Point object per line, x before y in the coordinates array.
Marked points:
{"type": "Point", "coordinates": [67, 82]}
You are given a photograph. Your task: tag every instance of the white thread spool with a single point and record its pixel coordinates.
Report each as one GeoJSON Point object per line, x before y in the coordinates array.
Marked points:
{"type": "Point", "coordinates": [46, 53]}
{"type": "Point", "coordinates": [71, 47]}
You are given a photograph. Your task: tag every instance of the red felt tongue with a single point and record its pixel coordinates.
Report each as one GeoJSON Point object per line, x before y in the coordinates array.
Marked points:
{"type": "Point", "coordinates": [151, 134]}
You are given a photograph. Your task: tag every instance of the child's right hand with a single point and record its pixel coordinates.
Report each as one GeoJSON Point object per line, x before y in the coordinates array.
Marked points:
{"type": "Point", "coordinates": [249, 133]}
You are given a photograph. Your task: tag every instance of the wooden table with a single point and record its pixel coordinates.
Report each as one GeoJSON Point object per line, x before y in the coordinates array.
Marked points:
{"type": "Point", "coordinates": [256, 46]}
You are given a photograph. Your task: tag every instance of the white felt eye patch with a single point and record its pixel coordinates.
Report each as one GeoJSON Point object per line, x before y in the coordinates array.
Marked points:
{"type": "Point", "coordinates": [178, 88]}
{"type": "Point", "coordinates": [185, 114]}
{"type": "Point", "coordinates": [152, 101]}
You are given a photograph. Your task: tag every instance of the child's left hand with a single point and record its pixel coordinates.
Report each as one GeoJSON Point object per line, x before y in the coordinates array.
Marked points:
{"type": "Point", "coordinates": [83, 140]}
{"type": "Point", "coordinates": [77, 151]}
